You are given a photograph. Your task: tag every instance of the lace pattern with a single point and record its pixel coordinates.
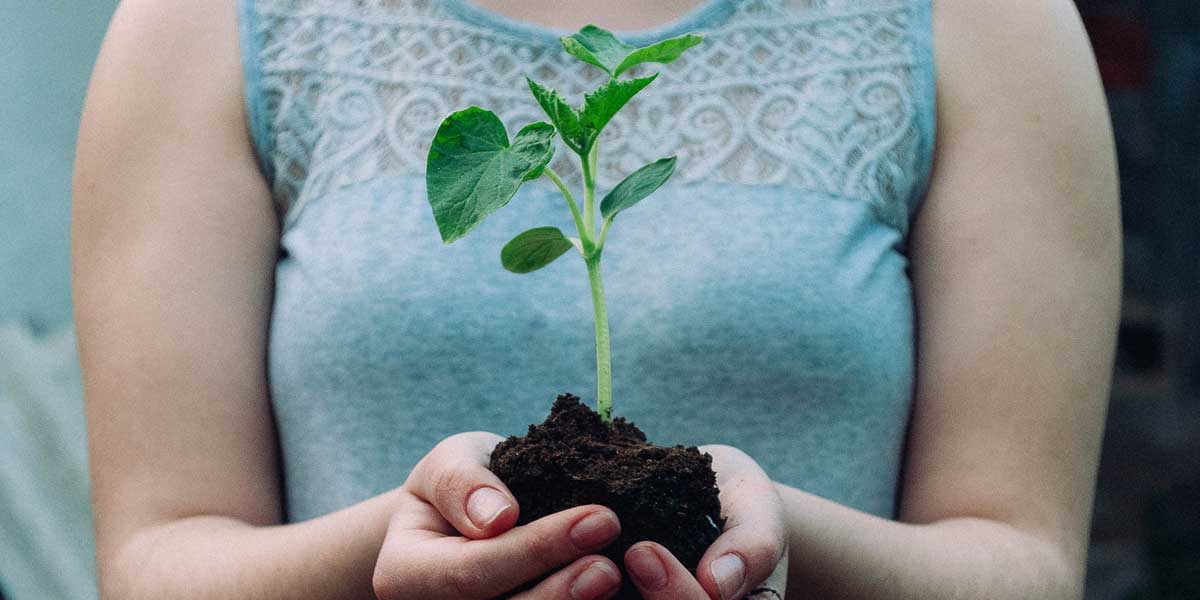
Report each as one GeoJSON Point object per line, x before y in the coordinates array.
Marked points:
{"type": "Point", "coordinates": [824, 97]}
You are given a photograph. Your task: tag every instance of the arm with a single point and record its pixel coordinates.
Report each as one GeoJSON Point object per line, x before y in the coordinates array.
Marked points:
{"type": "Point", "coordinates": [174, 243]}
{"type": "Point", "coordinates": [1016, 272]}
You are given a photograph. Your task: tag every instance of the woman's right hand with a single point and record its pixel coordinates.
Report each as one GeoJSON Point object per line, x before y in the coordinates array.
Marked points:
{"type": "Point", "coordinates": [453, 536]}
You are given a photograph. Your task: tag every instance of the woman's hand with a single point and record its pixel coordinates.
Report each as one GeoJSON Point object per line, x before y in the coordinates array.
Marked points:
{"type": "Point", "coordinates": [750, 554]}
{"type": "Point", "coordinates": [453, 536]}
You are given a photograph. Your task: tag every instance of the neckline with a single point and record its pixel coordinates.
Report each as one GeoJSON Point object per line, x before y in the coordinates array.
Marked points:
{"type": "Point", "coordinates": [700, 17]}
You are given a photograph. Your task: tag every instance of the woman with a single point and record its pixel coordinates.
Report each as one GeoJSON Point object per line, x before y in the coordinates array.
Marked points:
{"type": "Point", "coordinates": [288, 340]}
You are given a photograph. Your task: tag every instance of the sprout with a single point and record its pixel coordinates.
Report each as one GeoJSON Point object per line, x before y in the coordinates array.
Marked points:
{"type": "Point", "coordinates": [473, 170]}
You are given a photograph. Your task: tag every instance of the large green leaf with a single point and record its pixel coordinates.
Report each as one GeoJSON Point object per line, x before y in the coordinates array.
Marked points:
{"type": "Point", "coordinates": [472, 170]}
{"type": "Point", "coordinates": [600, 106]}
{"type": "Point", "coordinates": [636, 186]}
{"type": "Point", "coordinates": [601, 48]}
{"type": "Point", "coordinates": [561, 114]}
{"type": "Point", "coordinates": [534, 249]}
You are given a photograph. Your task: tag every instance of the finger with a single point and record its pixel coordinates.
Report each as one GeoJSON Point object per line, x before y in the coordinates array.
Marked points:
{"type": "Point", "coordinates": [589, 578]}
{"type": "Point", "coordinates": [454, 478]}
{"type": "Point", "coordinates": [658, 575]}
{"type": "Point", "coordinates": [527, 552]}
{"type": "Point", "coordinates": [752, 545]}
{"type": "Point", "coordinates": [454, 567]}
{"type": "Point", "coordinates": [775, 587]}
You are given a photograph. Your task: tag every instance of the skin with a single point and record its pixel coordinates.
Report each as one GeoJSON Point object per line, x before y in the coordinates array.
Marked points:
{"type": "Point", "coordinates": [1015, 258]}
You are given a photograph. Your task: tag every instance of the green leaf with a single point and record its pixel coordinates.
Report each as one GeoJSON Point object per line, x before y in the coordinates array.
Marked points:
{"type": "Point", "coordinates": [472, 170]}
{"type": "Point", "coordinates": [561, 114]}
{"type": "Point", "coordinates": [598, 47]}
{"type": "Point", "coordinates": [600, 106]}
{"type": "Point", "coordinates": [663, 52]}
{"type": "Point", "coordinates": [601, 48]}
{"type": "Point", "coordinates": [638, 185]}
{"type": "Point", "coordinates": [534, 249]}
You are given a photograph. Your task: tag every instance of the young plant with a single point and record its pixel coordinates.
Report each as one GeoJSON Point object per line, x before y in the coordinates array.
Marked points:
{"type": "Point", "coordinates": [473, 170]}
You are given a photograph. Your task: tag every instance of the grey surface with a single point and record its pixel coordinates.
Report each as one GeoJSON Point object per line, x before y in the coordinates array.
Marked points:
{"type": "Point", "coordinates": [47, 48]}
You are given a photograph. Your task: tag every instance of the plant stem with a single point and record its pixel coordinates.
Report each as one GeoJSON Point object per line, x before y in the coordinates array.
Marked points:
{"type": "Point", "coordinates": [592, 259]}
{"type": "Point", "coordinates": [584, 233]}
{"type": "Point", "coordinates": [603, 350]}
{"type": "Point", "coordinates": [588, 163]}
{"type": "Point", "coordinates": [592, 157]}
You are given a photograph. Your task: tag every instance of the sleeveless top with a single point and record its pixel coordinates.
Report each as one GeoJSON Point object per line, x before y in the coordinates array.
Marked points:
{"type": "Point", "coordinates": [759, 299]}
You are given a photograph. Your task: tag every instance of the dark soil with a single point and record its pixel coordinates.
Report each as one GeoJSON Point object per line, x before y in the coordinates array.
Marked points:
{"type": "Point", "coordinates": [666, 495]}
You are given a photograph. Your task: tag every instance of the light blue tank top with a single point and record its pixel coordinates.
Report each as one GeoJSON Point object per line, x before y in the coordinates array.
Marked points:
{"type": "Point", "coordinates": [760, 299]}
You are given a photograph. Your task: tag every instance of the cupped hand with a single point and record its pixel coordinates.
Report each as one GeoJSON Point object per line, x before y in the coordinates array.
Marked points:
{"type": "Point", "coordinates": [750, 556]}
{"type": "Point", "coordinates": [453, 536]}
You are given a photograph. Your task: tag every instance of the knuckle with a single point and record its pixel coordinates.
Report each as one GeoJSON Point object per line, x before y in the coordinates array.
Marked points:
{"type": "Point", "coordinates": [480, 439]}
{"type": "Point", "coordinates": [381, 578]}
{"type": "Point", "coordinates": [762, 551]}
{"type": "Point", "coordinates": [397, 575]}
{"type": "Point", "coordinates": [387, 582]}
{"type": "Point", "coordinates": [427, 467]}
{"type": "Point", "coordinates": [465, 579]}
{"type": "Point", "coordinates": [457, 440]}
{"type": "Point", "coordinates": [544, 551]}
{"type": "Point", "coordinates": [448, 484]}
{"type": "Point", "coordinates": [383, 585]}
{"type": "Point", "coordinates": [441, 451]}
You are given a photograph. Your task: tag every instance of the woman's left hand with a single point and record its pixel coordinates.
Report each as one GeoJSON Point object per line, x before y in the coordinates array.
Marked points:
{"type": "Point", "coordinates": [751, 554]}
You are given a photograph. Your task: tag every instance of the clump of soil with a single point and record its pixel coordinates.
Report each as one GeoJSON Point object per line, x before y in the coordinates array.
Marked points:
{"type": "Point", "coordinates": [667, 495]}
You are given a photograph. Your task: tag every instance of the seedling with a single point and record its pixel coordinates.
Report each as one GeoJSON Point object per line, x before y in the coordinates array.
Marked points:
{"type": "Point", "coordinates": [473, 170]}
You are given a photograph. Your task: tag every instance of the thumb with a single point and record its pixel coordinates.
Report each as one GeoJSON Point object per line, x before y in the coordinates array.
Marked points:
{"type": "Point", "coordinates": [752, 548]}
{"type": "Point", "coordinates": [454, 478]}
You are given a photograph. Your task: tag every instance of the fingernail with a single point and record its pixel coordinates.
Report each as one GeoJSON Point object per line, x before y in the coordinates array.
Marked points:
{"type": "Point", "coordinates": [595, 530]}
{"type": "Point", "coordinates": [730, 573]}
{"type": "Point", "coordinates": [484, 505]}
{"type": "Point", "coordinates": [595, 582]}
{"type": "Point", "coordinates": [647, 570]}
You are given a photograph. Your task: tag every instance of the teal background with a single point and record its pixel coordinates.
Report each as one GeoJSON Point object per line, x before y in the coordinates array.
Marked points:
{"type": "Point", "coordinates": [47, 48]}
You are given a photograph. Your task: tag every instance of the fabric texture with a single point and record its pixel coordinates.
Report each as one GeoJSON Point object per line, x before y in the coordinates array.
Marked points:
{"type": "Point", "coordinates": [759, 299]}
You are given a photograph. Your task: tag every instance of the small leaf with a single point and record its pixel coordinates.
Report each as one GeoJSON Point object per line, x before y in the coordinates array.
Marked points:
{"type": "Point", "coordinates": [598, 47]}
{"type": "Point", "coordinates": [663, 52]}
{"type": "Point", "coordinates": [600, 106]}
{"type": "Point", "coordinates": [601, 48]}
{"type": "Point", "coordinates": [561, 114]}
{"type": "Point", "coordinates": [534, 249]}
{"type": "Point", "coordinates": [472, 170]}
{"type": "Point", "coordinates": [636, 186]}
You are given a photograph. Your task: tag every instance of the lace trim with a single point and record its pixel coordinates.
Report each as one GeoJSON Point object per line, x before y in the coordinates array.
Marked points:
{"type": "Point", "coordinates": [821, 99]}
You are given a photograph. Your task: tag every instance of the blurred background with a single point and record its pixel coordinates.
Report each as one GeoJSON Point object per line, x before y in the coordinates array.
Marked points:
{"type": "Point", "coordinates": [1146, 531]}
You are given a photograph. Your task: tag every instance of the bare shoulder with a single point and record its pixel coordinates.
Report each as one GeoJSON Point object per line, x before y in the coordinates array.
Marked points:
{"type": "Point", "coordinates": [166, 97]}
{"type": "Point", "coordinates": [1020, 103]}
{"type": "Point", "coordinates": [174, 49]}
{"type": "Point", "coordinates": [1005, 41]}
{"type": "Point", "coordinates": [167, 69]}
